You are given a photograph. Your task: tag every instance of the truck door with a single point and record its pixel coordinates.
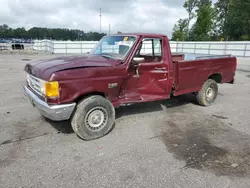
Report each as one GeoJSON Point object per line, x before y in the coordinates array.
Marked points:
{"type": "Point", "coordinates": [148, 73]}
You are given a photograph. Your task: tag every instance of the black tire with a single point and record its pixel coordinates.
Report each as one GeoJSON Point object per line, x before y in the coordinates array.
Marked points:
{"type": "Point", "coordinates": [81, 121]}
{"type": "Point", "coordinates": [208, 93]}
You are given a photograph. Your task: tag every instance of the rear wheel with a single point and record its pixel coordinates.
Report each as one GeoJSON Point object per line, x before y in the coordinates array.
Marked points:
{"type": "Point", "coordinates": [208, 93]}
{"type": "Point", "coordinates": [93, 118]}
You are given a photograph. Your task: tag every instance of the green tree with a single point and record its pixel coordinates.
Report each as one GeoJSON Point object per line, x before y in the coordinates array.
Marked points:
{"type": "Point", "coordinates": [228, 20]}
{"type": "Point", "coordinates": [4, 27]}
{"type": "Point", "coordinates": [190, 5]}
{"type": "Point", "coordinates": [221, 20]}
{"type": "Point", "coordinates": [55, 33]}
{"type": "Point", "coordinates": [237, 25]}
{"type": "Point", "coordinates": [203, 25]}
{"type": "Point", "coordinates": [180, 30]}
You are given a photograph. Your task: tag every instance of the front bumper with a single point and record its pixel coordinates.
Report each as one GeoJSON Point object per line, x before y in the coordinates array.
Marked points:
{"type": "Point", "coordinates": [53, 112]}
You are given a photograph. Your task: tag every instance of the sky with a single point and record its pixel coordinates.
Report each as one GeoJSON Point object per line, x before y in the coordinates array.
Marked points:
{"type": "Point", "coordinates": [158, 16]}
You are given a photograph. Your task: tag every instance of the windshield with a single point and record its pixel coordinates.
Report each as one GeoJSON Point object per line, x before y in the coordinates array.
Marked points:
{"type": "Point", "coordinates": [115, 47]}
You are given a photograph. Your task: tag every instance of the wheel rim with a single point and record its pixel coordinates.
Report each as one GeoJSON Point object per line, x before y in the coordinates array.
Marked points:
{"type": "Point", "coordinates": [96, 118]}
{"type": "Point", "coordinates": [210, 94]}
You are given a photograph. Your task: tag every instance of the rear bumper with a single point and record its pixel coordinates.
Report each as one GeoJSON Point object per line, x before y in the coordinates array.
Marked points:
{"type": "Point", "coordinates": [53, 112]}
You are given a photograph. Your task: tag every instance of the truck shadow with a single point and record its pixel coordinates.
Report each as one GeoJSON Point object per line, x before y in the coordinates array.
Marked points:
{"type": "Point", "coordinates": [61, 126]}
{"type": "Point", "coordinates": [140, 108]}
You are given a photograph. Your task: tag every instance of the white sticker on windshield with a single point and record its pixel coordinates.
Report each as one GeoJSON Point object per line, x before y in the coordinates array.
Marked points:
{"type": "Point", "coordinates": [127, 43]}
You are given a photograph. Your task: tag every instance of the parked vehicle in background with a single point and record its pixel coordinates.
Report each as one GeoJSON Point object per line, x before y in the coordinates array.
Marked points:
{"type": "Point", "coordinates": [15, 40]}
{"type": "Point", "coordinates": [122, 69]}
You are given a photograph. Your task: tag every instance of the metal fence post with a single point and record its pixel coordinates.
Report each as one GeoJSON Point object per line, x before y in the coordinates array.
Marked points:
{"type": "Point", "coordinates": [194, 47]}
{"type": "Point", "coordinates": [245, 51]}
{"type": "Point", "coordinates": [209, 47]}
{"type": "Point", "coordinates": [46, 46]}
{"type": "Point", "coordinates": [50, 46]}
{"type": "Point", "coordinates": [53, 46]}
{"type": "Point", "coordinates": [225, 48]}
{"type": "Point", "coordinates": [81, 47]}
{"type": "Point", "coordinates": [66, 51]}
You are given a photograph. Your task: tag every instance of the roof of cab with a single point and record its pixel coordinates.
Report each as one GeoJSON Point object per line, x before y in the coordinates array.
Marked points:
{"type": "Point", "coordinates": [142, 34]}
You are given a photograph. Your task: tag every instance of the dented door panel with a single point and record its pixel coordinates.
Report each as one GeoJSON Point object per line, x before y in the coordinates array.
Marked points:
{"type": "Point", "coordinates": [149, 84]}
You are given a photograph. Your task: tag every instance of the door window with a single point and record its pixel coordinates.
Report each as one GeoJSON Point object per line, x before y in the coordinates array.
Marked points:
{"type": "Point", "coordinates": [151, 50]}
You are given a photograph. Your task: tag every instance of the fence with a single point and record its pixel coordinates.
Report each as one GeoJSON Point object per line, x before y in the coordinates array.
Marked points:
{"type": "Point", "coordinates": [239, 49]}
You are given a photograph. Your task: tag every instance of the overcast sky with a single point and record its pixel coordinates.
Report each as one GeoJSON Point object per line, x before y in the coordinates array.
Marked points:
{"type": "Point", "coordinates": [123, 15]}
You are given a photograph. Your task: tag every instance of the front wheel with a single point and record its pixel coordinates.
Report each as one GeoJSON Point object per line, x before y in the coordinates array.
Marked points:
{"type": "Point", "coordinates": [93, 118]}
{"type": "Point", "coordinates": [208, 93]}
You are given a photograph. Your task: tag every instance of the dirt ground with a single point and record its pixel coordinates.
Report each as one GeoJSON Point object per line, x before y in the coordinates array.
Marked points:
{"type": "Point", "coordinates": [173, 143]}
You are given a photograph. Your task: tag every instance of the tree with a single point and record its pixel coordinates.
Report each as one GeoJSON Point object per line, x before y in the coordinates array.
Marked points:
{"type": "Point", "coordinates": [180, 30]}
{"type": "Point", "coordinates": [189, 5]}
{"type": "Point", "coordinates": [203, 26]}
{"type": "Point", "coordinates": [3, 27]}
{"type": "Point", "coordinates": [233, 19]}
{"type": "Point", "coordinates": [55, 33]}
{"type": "Point", "coordinates": [237, 25]}
{"type": "Point", "coordinates": [220, 22]}
{"type": "Point", "coordinates": [228, 20]}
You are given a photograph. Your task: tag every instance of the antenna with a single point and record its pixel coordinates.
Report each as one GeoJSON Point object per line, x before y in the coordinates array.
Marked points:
{"type": "Point", "coordinates": [100, 20]}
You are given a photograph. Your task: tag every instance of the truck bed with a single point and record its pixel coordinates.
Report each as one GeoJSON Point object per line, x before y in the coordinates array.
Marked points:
{"type": "Point", "coordinates": [192, 70]}
{"type": "Point", "coordinates": [191, 56]}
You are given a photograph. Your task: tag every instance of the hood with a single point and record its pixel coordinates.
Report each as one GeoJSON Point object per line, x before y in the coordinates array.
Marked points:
{"type": "Point", "coordinates": [44, 68]}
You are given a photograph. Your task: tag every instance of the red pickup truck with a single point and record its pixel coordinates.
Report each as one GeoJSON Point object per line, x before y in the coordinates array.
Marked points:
{"type": "Point", "coordinates": [121, 69]}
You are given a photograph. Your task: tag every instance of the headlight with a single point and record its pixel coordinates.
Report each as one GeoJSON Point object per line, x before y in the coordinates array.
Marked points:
{"type": "Point", "coordinates": [50, 89]}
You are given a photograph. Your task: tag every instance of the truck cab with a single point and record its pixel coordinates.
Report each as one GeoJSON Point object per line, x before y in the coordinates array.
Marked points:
{"type": "Point", "coordinates": [121, 69]}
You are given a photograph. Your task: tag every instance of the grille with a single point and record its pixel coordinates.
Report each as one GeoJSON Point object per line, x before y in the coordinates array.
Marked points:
{"type": "Point", "coordinates": [34, 83]}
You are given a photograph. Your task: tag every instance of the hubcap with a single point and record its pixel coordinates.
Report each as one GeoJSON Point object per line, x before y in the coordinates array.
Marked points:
{"type": "Point", "coordinates": [210, 93]}
{"type": "Point", "coordinates": [96, 118]}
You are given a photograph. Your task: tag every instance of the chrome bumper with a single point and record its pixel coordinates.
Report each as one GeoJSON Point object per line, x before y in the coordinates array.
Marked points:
{"type": "Point", "coordinates": [53, 112]}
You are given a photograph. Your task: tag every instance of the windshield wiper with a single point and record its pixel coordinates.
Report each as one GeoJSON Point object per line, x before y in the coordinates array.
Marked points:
{"type": "Point", "coordinates": [107, 55]}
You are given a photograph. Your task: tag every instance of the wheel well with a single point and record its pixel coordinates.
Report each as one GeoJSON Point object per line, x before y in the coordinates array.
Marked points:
{"type": "Point", "coordinates": [89, 94]}
{"type": "Point", "coordinates": [216, 77]}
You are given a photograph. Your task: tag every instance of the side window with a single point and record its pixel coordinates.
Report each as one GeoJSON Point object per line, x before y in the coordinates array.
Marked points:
{"type": "Point", "coordinates": [157, 47]}
{"type": "Point", "coordinates": [147, 48]}
{"type": "Point", "coordinates": [151, 50]}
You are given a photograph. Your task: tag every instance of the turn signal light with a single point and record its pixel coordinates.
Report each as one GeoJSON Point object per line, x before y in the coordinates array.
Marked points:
{"type": "Point", "coordinates": [52, 89]}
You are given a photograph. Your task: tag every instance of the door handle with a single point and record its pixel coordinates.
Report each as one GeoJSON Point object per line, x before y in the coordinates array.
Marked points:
{"type": "Point", "coordinates": [160, 68]}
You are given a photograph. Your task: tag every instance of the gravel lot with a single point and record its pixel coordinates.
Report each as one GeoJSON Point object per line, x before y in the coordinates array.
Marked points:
{"type": "Point", "coordinates": [174, 143]}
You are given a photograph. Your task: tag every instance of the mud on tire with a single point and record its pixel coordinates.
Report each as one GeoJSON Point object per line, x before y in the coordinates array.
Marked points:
{"type": "Point", "coordinates": [93, 118]}
{"type": "Point", "coordinates": [208, 93]}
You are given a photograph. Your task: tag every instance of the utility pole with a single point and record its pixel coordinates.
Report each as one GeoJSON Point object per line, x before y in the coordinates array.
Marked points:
{"type": "Point", "coordinates": [100, 20]}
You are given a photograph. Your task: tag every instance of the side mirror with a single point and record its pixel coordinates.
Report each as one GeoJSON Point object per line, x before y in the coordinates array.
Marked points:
{"type": "Point", "coordinates": [138, 60]}
{"type": "Point", "coordinates": [136, 63]}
